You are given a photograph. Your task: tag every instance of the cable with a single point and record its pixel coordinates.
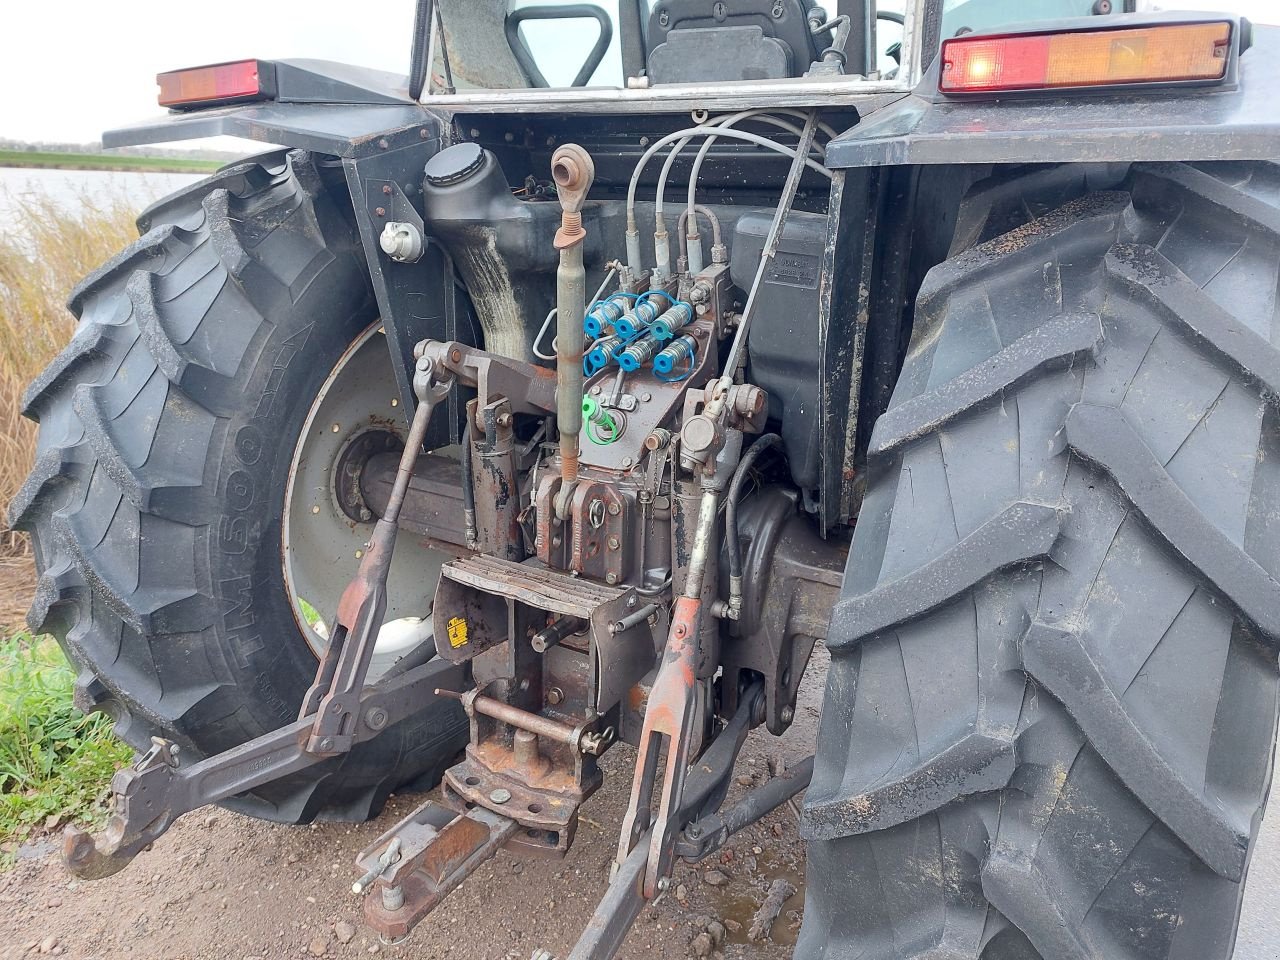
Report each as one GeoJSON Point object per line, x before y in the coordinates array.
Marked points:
{"type": "Point", "coordinates": [595, 301]}
{"type": "Point", "coordinates": [596, 417]}
{"type": "Point", "coordinates": [732, 540]}
{"type": "Point", "coordinates": [537, 341]}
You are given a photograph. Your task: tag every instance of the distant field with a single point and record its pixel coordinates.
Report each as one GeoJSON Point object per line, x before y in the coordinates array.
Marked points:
{"type": "Point", "coordinates": [102, 161]}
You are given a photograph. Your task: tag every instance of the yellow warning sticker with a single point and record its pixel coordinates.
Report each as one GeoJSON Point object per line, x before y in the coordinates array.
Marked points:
{"type": "Point", "coordinates": [457, 632]}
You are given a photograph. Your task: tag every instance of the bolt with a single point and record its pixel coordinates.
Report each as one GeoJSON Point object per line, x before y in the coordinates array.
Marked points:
{"type": "Point", "coordinates": [644, 141]}
{"type": "Point", "coordinates": [694, 831]}
{"type": "Point", "coordinates": [381, 211]}
{"type": "Point", "coordinates": [627, 461]}
{"type": "Point", "coordinates": [663, 883]}
{"type": "Point", "coordinates": [455, 355]}
{"type": "Point", "coordinates": [611, 578]}
{"type": "Point", "coordinates": [615, 508]}
{"type": "Point", "coordinates": [383, 144]}
{"type": "Point", "coordinates": [614, 543]}
{"type": "Point", "coordinates": [386, 188]}
{"type": "Point", "coordinates": [315, 509]}
{"type": "Point", "coordinates": [475, 133]}
{"type": "Point", "coordinates": [392, 897]}
{"type": "Point", "coordinates": [423, 134]}
{"type": "Point", "coordinates": [504, 419]}
{"type": "Point", "coordinates": [787, 714]}
{"type": "Point", "coordinates": [595, 391]}
{"type": "Point", "coordinates": [326, 744]}
{"type": "Point", "coordinates": [335, 707]}
{"type": "Point", "coordinates": [501, 795]}
{"type": "Point", "coordinates": [376, 718]}
{"type": "Point", "coordinates": [646, 397]}
{"type": "Point", "coordinates": [555, 696]}
{"type": "Point", "coordinates": [509, 137]}
{"type": "Point", "coordinates": [524, 685]}
{"type": "Point", "coordinates": [366, 514]}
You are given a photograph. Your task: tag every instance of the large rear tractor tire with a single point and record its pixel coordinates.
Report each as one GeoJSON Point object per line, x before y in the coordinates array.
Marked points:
{"type": "Point", "coordinates": [1051, 710]}
{"type": "Point", "coordinates": [171, 428]}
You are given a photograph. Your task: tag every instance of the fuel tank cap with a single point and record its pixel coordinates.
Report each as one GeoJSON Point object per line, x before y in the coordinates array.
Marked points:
{"type": "Point", "coordinates": [454, 164]}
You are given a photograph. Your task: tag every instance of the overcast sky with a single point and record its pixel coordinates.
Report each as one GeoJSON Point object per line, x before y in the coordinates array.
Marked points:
{"type": "Point", "coordinates": [70, 69]}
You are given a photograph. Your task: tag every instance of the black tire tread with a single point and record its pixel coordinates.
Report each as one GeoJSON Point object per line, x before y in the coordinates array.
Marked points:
{"type": "Point", "coordinates": [120, 497]}
{"type": "Point", "coordinates": [1089, 784]}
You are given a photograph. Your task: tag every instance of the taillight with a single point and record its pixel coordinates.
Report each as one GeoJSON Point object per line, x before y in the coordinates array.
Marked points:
{"type": "Point", "coordinates": [233, 82]}
{"type": "Point", "coordinates": [1098, 57]}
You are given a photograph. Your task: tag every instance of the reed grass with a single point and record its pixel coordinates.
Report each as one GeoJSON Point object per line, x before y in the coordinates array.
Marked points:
{"type": "Point", "coordinates": [55, 245]}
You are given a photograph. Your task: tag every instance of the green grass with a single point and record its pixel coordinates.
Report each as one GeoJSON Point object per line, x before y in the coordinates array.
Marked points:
{"type": "Point", "coordinates": [309, 613]}
{"type": "Point", "coordinates": [104, 161]}
{"type": "Point", "coordinates": [54, 760]}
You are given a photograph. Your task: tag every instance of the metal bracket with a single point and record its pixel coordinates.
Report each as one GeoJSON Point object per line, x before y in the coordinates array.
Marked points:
{"type": "Point", "coordinates": [419, 862]}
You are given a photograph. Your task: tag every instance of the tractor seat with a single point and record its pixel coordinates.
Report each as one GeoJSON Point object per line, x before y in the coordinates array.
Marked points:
{"type": "Point", "coordinates": [701, 41]}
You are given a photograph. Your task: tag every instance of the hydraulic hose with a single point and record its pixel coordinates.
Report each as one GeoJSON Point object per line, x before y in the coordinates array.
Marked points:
{"type": "Point", "coordinates": [732, 541]}
{"type": "Point", "coordinates": [633, 241]}
{"type": "Point", "coordinates": [690, 244]}
{"type": "Point", "coordinates": [418, 66]}
{"type": "Point", "coordinates": [706, 147]}
{"type": "Point", "coordinates": [661, 248]}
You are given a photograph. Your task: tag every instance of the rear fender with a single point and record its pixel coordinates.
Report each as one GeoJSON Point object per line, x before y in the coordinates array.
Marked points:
{"type": "Point", "coordinates": [383, 139]}
{"type": "Point", "coordinates": [1235, 121]}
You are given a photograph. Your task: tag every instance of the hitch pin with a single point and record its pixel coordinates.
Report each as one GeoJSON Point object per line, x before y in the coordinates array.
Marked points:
{"type": "Point", "coordinates": [389, 856]}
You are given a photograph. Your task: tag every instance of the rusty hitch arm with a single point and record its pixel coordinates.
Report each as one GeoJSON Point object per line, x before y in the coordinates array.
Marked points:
{"type": "Point", "coordinates": [337, 711]}
{"type": "Point", "coordinates": [155, 791]}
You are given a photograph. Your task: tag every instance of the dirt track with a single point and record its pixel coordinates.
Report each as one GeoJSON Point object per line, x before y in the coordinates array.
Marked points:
{"type": "Point", "coordinates": [219, 885]}
{"type": "Point", "coordinates": [223, 886]}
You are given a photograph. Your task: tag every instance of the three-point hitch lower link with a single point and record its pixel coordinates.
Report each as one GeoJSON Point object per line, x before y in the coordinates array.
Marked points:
{"type": "Point", "coordinates": [337, 713]}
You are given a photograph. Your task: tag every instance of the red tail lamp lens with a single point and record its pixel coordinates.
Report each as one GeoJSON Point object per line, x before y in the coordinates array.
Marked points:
{"type": "Point", "coordinates": [217, 83]}
{"type": "Point", "coordinates": [1161, 54]}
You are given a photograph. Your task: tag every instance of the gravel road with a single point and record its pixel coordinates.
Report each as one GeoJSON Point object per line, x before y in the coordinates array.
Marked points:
{"type": "Point", "coordinates": [222, 886]}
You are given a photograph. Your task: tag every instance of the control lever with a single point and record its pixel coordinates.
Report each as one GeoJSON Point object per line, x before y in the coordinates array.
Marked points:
{"type": "Point", "coordinates": [337, 712]}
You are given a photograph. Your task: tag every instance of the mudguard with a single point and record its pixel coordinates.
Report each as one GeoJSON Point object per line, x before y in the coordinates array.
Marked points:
{"type": "Point", "coordinates": [326, 107]}
{"type": "Point", "coordinates": [382, 140]}
{"type": "Point", "coordinates": [1237, 121]}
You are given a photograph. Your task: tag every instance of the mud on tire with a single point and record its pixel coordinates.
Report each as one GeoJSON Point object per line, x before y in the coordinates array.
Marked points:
{"type": "Point", "coordinates": [1051, 710]}
{"type": "Point", "coordinates": [166, 431]}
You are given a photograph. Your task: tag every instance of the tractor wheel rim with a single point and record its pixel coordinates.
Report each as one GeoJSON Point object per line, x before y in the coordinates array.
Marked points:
{"type": "Point", "coordinates": [320, 543]}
